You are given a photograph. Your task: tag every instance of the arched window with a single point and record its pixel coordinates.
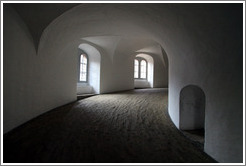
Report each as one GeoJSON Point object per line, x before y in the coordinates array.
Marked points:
{"type": "Point", "coordinates": [136, 66]}
{"type": "Point", "coordinates": [143, 69]}
{"type": "Point", "coordinates": [83, 68]}
{"type": "Point", "coordinates": [140, 68]}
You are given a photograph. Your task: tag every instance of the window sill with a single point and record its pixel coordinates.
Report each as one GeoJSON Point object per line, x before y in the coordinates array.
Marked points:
{"type": "Point", "coordinates": [82, 83]}
{"type": "Point", "coordinates": [141, 79]}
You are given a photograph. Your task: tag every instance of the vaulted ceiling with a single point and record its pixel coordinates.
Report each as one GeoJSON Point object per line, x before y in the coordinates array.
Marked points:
{"type": "Point", "coordinates": [38, 16]}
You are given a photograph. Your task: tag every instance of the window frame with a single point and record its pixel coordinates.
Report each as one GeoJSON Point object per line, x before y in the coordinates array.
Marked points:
{"type": "Point", "coordinates": [139, 59]}
{"type": "Point", "coordinates": [137, 68]}
{"type": "Point", "coordinates": [87, 68]}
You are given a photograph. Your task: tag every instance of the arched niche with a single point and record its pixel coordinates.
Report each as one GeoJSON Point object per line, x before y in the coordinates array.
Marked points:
{"type": "Point", "coordinates": [94, 62]}
{"type": "Point", "coordinates": [149, 82]}
{"type": "Point", "coordinates": [192, 108]}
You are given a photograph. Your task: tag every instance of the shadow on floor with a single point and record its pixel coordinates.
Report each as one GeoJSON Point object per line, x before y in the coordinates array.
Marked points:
{"type": "Point", "coordinates": [196, 136]}
{"type": "Point", "coordinates": [129, 127]}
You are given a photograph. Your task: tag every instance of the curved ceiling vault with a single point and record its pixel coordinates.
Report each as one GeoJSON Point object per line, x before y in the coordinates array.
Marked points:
{"type": "Point", "coordinates": [124, 20]}
{"type": "Point", "coordinates": [114, 28]}
{"type": "Point", "coordinates": [111, 45]}
{"type": "Point", "coordinates": [42, 14]}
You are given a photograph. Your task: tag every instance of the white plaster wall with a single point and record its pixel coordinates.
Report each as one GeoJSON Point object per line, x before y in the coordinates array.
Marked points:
{"type": "Point", "coordinates": [151, 76]}
{"type": "Point", "coordinates": [19, 67]}
{"type": "Point", "coordinates": [159, 78]}
{"type": "Point", "coordinates": [160, 74]}
{"type": "Point", "coordinates": [84, 88]}
{"type": "Point", "coordinates": [118, 72]}
{"type": "Point", "coordinates": [138, 83]}
{"type": "Point", "coordinates": [209, 55]}
{"type": "Point", "coordinates": [122, 72]}
{"type": "Point", "coordinates": [204, 47]}
{"type": "Point", "coordinates": [32, 84]}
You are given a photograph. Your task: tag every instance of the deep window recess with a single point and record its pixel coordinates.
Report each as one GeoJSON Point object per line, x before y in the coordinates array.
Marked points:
{"type": "Point", "coordinates": [83, 68]}
{"type": "Point", "coordinates": [140, 68]}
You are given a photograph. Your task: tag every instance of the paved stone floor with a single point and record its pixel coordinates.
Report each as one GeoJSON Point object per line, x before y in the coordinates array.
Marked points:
{"type": "Point", "coordinates": [126, 127]}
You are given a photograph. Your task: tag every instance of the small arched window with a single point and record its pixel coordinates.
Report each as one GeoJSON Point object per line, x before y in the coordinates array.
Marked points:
{"type": "Point", "coordinates": [83, 68]}
{"type": "Point", "coordinates": [143, 69]}
{"type": "Point", "coordinates": [140, 68]}
{"type": "Point", "coordinates": [136, 66]}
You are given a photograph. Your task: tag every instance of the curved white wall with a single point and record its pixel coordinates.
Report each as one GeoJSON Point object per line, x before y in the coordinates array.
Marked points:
{"type": "Point", "coordinates": [203, 43]}
{"type": "Point", "coordinates": [33, 83]}
{"type": "Point", "coordinates": [209, 55]}
{"type": "Point", "coordinates": [19, 48]}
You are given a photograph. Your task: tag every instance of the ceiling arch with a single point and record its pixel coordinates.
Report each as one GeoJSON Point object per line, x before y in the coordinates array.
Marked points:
{"type": "Point", "coordinates": [38, 16]}
{"type": "Point", "coordinates": [140, 25]}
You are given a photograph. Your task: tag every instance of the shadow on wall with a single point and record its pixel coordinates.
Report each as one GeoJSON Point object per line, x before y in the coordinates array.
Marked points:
{"type": "Point", "coordinates": [192, 108]}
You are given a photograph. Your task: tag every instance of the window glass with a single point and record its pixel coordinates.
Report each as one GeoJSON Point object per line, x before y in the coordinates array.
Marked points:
{"type": "Point", "coordinates": [136, 65]}
{"type": "Point", "coordinates": [83, 68]}
{"type": "Point", "coordinates": [140, 68]}
{"type": "Point", "coordinates": [143, 69]}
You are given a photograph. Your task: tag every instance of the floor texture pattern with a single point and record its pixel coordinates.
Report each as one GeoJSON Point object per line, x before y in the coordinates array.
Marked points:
{"type": "Point", "coordinates": [130, 127]}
